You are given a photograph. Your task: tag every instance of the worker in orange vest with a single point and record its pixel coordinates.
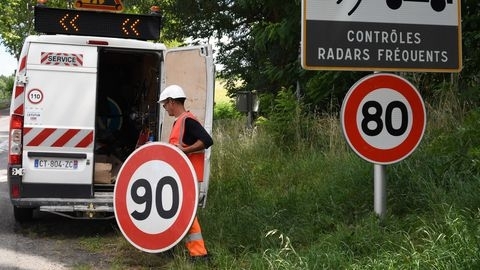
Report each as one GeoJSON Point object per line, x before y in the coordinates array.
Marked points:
{"type": "Point", "coordinates": [191, 138]}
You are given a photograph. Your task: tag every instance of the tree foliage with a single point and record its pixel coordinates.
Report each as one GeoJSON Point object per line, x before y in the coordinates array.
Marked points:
{"type": "Point", "coordinates": [16, 21]}
{"type": "Point", "coordinates": [6, 86]}
{"type": "Point", "coordinates": [17, 18]}
{"type": "Point", "coordinates": [259, 41]}
{"type": "Point", "coordinates": [470, 75]}
{"type": "Point", "coordinates": [260, 49]}
{"type": "Point", "coordinates": [258, 45]}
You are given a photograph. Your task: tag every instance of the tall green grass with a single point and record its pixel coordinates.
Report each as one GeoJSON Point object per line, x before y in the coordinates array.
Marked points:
{"type": "Point", "coordinates": [310, 205]}
{"type": "Point", "coordinates": [305, 201]}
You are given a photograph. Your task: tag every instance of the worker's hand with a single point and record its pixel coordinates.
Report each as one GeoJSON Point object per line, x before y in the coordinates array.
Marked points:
{"type": "Point", "coordinates": [181, 148]}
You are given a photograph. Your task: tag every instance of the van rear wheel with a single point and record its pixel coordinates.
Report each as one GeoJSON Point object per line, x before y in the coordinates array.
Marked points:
{"type": "Point", "coordinates": [22, 214]}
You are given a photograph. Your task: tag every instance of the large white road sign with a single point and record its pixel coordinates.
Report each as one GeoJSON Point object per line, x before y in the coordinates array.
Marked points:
{"type": "Point", "coordinates": [382, 35]}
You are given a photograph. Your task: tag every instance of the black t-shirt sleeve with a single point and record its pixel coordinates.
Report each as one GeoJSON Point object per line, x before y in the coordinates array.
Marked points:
{"type": "Point", "coordinates": [195, 131]}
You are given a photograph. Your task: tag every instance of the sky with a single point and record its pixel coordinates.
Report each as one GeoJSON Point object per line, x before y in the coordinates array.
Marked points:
{"type": "Point", "coordinates": [8, 63]}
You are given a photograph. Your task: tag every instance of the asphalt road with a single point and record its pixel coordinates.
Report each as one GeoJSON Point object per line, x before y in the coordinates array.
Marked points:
{"type": "Point", "coordinates": [49, 242]}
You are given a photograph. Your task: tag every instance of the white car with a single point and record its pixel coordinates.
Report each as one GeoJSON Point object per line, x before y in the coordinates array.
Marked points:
{"type": "Point", "coordinates": [437, 5]}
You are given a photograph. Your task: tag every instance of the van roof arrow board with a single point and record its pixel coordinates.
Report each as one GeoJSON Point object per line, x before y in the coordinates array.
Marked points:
{"type": "Point", "coordinates": [155, 197]}
{"type": "Point", "coordinates": [382, 35]}
{"type": "Point", "coordinates": [383, 118]}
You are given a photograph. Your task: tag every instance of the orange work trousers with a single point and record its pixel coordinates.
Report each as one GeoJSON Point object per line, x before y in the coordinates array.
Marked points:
{"type": "Point", "coordinates": [195, 243]}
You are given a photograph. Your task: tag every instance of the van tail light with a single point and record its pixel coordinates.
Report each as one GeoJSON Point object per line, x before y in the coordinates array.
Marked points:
{"type": "Point", "coordinates": [15, 143]}
{"type": "Point", "coordinates": [15, 190]}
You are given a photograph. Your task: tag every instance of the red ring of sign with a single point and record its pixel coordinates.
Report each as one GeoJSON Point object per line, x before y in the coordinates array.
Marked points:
{"type": "Point", "coordinates": [352, 101]}
{"type": "Point", "coordinates": [37, 90]}
{"type": "Point", "coordinates": [165, 239]}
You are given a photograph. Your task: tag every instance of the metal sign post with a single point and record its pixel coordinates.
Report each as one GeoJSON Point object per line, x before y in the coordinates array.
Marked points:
{"type": "Point", "coordinates": [380, 190]}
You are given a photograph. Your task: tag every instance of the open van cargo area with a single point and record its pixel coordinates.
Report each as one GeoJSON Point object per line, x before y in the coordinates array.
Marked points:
{"type": "Point", "coordinates": [127, 94]}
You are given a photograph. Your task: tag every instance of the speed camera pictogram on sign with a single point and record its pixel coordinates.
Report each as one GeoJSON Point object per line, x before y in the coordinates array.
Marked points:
{"type": "Point", "coordinates": [155, 197]}
{"type": "Point", "coordinates": [383, 118]}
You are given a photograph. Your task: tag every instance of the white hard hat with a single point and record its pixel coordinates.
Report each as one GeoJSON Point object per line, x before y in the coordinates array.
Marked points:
{"type": "Point", "coordinates": [172, 91]}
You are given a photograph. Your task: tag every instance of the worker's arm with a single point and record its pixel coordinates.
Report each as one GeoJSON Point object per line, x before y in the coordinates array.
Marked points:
{"type": "Point", "coordinates": [197, 146]}
{"type": "Point", "coordinates": [195, 136]}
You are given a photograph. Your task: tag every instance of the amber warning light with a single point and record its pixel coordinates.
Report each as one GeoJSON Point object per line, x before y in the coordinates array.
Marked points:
{"type": "Point", "coordinates": [92, 23]}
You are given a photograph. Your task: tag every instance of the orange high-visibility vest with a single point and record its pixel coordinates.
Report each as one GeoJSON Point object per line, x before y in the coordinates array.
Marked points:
{"type": "Point", "coordinates": [176, 137]}
{"type": "Point", "coordinates": [194, 240]}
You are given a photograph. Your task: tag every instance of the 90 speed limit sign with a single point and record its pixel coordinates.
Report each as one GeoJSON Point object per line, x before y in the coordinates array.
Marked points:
{"type": "Point", "coordinates": [155, 197]}
{"type": "Point", "coordinates": [383, 118]}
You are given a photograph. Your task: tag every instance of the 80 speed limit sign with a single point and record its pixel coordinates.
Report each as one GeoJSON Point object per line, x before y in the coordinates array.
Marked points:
{"type": "Point", "coordinates": [155, 197]}
{"type": "Point", "coordinates": [383, 118]}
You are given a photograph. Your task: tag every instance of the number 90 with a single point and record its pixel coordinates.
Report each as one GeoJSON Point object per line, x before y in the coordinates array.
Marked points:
{"type": "Point", "coordinates": [147, 198]}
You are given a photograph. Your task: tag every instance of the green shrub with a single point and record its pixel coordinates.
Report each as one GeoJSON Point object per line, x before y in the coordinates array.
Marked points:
{"type": "Point", "coordinates": [225, 110]}
{"type": "Point", "coordinates": [286, 123]}
{"type": "Point", "coordinates": [6, 87]}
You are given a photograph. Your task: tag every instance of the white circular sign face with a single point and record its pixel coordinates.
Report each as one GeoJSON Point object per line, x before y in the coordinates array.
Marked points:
{"type": "Point", "coordinates": [144, 187]}
{"type": "Point", "coordinates": [155, 197]}
{"type": "Point", "coordinates": [383, 118]}
{"type": "Point", "coordinates": [392, 110]}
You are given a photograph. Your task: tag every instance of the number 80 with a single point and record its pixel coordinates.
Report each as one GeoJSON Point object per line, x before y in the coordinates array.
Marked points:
{"type": "Point", "coordinates": [376, 117]}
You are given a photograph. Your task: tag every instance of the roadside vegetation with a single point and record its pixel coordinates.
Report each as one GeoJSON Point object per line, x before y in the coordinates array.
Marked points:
{"type": "Point", "coordinates": [6, 87]}
{"type": "Point", "coordinates": [290, 194]}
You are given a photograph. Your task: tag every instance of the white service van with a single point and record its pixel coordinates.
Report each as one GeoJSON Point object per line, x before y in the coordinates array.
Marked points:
{"type": "Point", "coordinates": [79, 106]}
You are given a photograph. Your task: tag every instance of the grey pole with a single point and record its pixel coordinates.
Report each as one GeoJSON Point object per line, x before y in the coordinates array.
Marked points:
{"type": "Point", "coordinates": [380, 196]}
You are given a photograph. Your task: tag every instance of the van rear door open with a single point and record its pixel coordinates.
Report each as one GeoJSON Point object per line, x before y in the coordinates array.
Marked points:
{"type": "Point", "coordinates": [59, 143]}
{"type": "Point", "coordinates": [192, 68]}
